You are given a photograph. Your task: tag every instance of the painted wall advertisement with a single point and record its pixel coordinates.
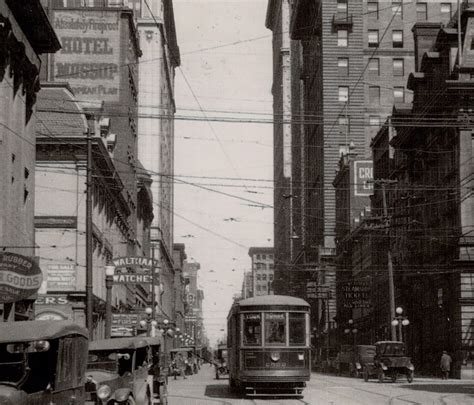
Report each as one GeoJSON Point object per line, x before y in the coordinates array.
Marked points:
{"type": "Point", "coordinates": [61, 277]}
{"type": "Point", "coordinates": [90, 56]}
{"type": "Point", "coordinates": [363, 177]}
{"type": "Point", "coordinates": [356, 294]}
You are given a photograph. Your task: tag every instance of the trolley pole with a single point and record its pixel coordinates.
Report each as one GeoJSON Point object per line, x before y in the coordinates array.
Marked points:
{"type": "Point", "coordinates": [89, 269]}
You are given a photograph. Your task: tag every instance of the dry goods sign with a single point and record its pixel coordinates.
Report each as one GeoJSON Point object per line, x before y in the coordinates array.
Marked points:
{"type": "Point", "coordinates": [20, 277]}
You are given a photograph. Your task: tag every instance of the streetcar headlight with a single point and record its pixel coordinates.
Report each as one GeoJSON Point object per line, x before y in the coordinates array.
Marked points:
{"type": "Point", "coordinates": [301, 356]}
{"type": "Point", "coordinates": [275, 356]}
{"type": "Point", "coordinates": [103, 392]}
{"type": "Point", "coordinates": [358, 366]}
{"type": "Point", "coordinates": [384, 367]}
{"type": "Point", "coordinates": [411, 367]}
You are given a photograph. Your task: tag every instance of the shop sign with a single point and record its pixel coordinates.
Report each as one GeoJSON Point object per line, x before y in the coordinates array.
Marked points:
{"type": "Point", "coordinates": [122, 331]}
{"type": "Point", "coordinates": [61, 277]}
{"type": "Point", "coordinates": [20, 277]}
{"type": "Point", "coordinates": [89, 58]}
{"type": "Point", "coordinates": [52, 300]}
{"type": "Point", "coordinates": [124, 324]}
{"type": "Point", "coordinates": [134, 262]}
{"type": "Point", "coordinates": [363, 178]}
{"type": "Point", "coordinates": [356, 295]}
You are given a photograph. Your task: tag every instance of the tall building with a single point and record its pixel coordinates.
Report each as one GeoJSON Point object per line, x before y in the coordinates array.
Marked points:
{"type": "Point", "coordinates": [156, 97]}
{"type": "Point", "coordinates": [354, 60]}
{"type": "Point", "coordinates": [262, 273]}
{"type": "Point", "coordinates": [26, 35]}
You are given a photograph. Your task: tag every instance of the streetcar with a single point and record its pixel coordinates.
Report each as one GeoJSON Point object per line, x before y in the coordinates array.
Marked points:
{"type": "Point", "coordinates": [269, 346]}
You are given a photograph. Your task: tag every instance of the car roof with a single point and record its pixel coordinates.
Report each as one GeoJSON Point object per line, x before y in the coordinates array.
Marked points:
{"type": "Point", "coordinates": [119, 343]}
{"type": "Point", "coordinates": [26, 331]}
{"type": "Point", "coordinates": [273, 300]}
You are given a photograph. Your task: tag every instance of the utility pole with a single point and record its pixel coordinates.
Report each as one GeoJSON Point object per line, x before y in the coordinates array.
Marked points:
{"type": "Point", "coordinates": [153, 283]}
{"type": "Point", "coordinates": [391, 285]}
{"type": "Point", "coordinates": [89, 269]}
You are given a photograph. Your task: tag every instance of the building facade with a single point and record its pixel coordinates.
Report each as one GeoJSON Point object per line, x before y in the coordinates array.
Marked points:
{"type": "Point", "coordinates": [262, 274]}
{"type": "Point", "coordinates": [194, 297]}
{"type": "Point", "coordinates": [26, 35]}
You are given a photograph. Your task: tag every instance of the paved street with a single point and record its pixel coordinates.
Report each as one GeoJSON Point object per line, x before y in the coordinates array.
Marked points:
{"type": "Point", "coordinates": [203, 389]}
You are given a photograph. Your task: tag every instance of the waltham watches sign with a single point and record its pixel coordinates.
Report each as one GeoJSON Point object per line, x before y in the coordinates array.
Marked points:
{"type": "Point", "coordinates": [141, 269]}
{"type": "Point", "coordinates": [20, 277]}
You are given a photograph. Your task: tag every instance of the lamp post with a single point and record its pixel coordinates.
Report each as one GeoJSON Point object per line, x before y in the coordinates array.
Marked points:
{"type": "Point", "coordinates": [109, 273]}
{"type": "Point", "coordinates": [351, 330]}
{"type": "Point", "coordinates": [400, 320]}
{"type": "Point", "coordinates": [149, 322]}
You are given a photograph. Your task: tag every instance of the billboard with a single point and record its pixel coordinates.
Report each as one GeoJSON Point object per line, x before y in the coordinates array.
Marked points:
{"type": "Point", "coordinates": [356, 294]}
{"type": "Point", "coordinates": [61, 277]}
{"type": "Point", "coordinates": [363, 178]}
{"type": "Point", "coordinates": [90, 56]}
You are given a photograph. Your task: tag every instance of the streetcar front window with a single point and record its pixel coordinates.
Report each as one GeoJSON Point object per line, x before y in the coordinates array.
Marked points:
{"type": "Point", "coordinates": [275, 328]}
{"type": "Point", "coordinates": [252, 329]}
{"type": "Point", "coordinates": [297, 324]}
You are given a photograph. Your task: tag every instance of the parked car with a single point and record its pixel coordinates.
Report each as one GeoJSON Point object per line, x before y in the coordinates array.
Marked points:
{"type": "Point", "coordinates": [389, 361]}
{"type": "Point", "coordinates": [220, 364]}
{"type": "Point", "coordinates": [345, 360]}
{"type": "Point", "coordinates": [363, 354]}
{"type": "Point", "coordinates": [118, 372]}
{"type": "Point", "coordinates": [42, 363]}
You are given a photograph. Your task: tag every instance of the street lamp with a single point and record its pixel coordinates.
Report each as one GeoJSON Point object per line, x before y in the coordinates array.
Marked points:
{"type": "Point", "coordinates": [351, 330]}
{"type": "Point", "coordinates": [109, 273]}
{"type": "Point", "coordinates": [149, 322]}
{"type": "Point", "coordinates": [400, 320]}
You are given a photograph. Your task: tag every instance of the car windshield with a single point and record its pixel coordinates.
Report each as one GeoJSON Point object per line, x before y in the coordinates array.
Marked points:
{"type": "Point", "coordinates": [393, 349]}
{"type": "Point", "coordinates": [102, 360]}
{"type": "Point", "coordinates": [12, 366]}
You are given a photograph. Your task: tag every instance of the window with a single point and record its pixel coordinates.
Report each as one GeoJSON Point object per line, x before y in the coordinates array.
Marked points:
{"type": "Point", "coordinates": [275, 333]}
{"type": "Point", "coordinates": [342, 38]}
{"type": "Point", "coordinates": [397, 8]}
{"type": "Point", "coordinates": [374, 122]}
{"type": "Point", "coordinates": [297, 326]}
{"type": "Point", "coordinates": [344, 125]}
{"type": "Point", "coordinates": [397, 38]}
{"type": "Point", "coordinates": [259, 277]}
{"type": "Point", "coordinates": [421, 11]}
{"type": "Point", "coordinates": [374, 95]}
{"type": "Point", "coordinates": [270, 257]}
{"type": "Point", "coordinates": [343, 94]}
{"type": "Point", "coordinates": [398, 95]}
{"type": "Point", "coordinates": [398, 67]}
{"type": "Point", "coordinates": [373, 38]}
{"type": "Point", "coordinates": [343, 66]}
{"type": "Point", "coordinates": [342, 9]}
{"type": "Point", "coordinates": [374, 66]}
{"type": "Point", "coordinates": [258, 257]}
{"type": "Point", "coordinates": [252, 329]}
{"type": "Point", "coordinates": [446, 10]}
{"type": "Point", "coordinates": [264, 257]}
{"type": "Point", "coordinates": [264, 277]}
{"type": "Point", "coordinates": [373, 9]}
{"type": "Point", "coordinates": [270, 277]}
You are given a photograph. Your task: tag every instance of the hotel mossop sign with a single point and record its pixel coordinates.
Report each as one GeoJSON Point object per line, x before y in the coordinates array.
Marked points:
{"type": "Point", "coordinates": [140, 265]}
{"type": "Point", "coordinates": [20, 277]}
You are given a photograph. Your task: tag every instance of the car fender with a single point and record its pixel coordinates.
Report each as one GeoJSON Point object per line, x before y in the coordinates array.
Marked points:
{"type": "Point", "coordinates": [121, 395]}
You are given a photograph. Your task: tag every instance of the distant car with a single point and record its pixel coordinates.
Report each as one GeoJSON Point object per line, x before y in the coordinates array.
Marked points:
{"type": "Point", "coordinates": [220, 365]}
{"type": "Point", "coordinates": [390, 361]}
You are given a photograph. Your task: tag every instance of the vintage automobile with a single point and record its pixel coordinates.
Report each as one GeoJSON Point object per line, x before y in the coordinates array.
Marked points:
{"type": "Point", "coordinates": [389, 361]}
{"type": "Point", "coordinates": [118, 372]}
{"type": "Point", "coordinates": [187, 356]}
{"type": "Point", "coordinates": [42, 363]}
{"type": "Point", "coordinates": [345, 360]}
{"type": "Point", "coordinates": [221, 362]}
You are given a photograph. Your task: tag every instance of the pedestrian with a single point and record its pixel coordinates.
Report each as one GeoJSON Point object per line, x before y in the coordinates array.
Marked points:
{"type": "Point", "coordinates": [181, 365]}
{"type": "Point", "coordinates": [445, 364]}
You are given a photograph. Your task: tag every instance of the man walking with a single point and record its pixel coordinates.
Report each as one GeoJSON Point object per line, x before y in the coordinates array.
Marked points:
{"type": "Point", "coordinates": [445, 364]}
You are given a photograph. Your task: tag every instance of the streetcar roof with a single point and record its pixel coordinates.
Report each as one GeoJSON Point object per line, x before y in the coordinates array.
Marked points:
{"type": "Point", "coordinates": [26, 331]}
{"type": "Point", "coordinates": [272, 300]}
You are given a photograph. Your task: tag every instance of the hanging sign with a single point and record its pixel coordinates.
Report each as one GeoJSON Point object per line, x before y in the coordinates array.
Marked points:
{"type": "Point", "coordinates": [131, 278]}
{"type": "Point", "coordinates": [135, 261]}
{"type": "Point", "coordinates": [20, 277]}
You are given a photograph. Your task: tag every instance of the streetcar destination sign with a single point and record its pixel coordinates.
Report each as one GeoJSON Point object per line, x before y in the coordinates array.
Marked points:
{"type": "Point", "coordinates": [20, 277]}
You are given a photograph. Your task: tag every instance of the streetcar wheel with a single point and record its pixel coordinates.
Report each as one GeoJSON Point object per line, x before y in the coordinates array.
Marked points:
{"type": "Point", "coordinates": [381, 376]}
{"type": "Point", "coordinates": [410, 377]}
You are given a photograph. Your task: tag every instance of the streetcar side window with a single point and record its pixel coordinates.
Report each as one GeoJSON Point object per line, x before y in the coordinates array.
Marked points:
{"type": "Point", "coordinates": [252, 329]}
{"type": "Point", "coordinates": [275, 328]}
{"type": "Point", "coordinates": [297, 322]}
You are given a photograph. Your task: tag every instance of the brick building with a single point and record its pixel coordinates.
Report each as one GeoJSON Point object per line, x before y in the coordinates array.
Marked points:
{"type": "Point", "coordinates": [26, 34]}
{"type": "Point", "coordinates": [262, 273]}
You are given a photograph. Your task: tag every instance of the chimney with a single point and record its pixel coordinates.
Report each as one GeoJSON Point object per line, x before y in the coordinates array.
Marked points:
{"type": "Point", "coordinates": [424, 35]}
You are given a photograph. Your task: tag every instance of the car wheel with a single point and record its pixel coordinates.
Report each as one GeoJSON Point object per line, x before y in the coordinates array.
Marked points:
{"type": "Point", "coordinates": [410, 377]}
{"type": "Point", "coordinates": [366, 375]}
{"type": "Point", "coordinates": [130, 401]}
{"type": "Point", "coordinates": [381, 376]}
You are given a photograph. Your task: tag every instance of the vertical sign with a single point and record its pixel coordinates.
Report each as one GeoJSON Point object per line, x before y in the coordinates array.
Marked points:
{"type": "Point", "coordinates": [363, 177]}
{"type": "Point", "coordinates": [90, 55]}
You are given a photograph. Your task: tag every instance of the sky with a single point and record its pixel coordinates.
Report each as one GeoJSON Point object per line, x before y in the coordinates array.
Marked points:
{"type": "Point", "coordinates": [224, 170]}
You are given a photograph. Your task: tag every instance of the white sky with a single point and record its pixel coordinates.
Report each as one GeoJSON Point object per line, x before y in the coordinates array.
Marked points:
{"type": "Point", "coordinates": [234, 77]}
